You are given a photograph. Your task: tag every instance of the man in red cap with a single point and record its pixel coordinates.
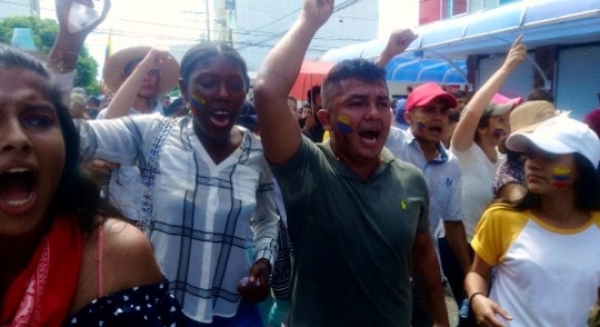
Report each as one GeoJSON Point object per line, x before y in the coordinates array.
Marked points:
{"type": "Point", "coordinates": [428, 115]}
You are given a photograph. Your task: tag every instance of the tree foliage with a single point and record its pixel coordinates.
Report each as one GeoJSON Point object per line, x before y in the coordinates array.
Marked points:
{"type": "Point", "coordinates": [44, 33]}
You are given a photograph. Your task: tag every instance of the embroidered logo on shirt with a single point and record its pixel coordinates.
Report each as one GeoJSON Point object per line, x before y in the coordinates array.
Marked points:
{"type": "Point", "coordinates": [403, 205]}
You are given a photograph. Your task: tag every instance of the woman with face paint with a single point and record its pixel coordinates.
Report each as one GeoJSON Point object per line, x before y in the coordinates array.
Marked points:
{"type": "Point", "coordinates": [65, 259]}
{"type": "Point", "coordinates": [483, 123]}
{"type": "Point", "coordinates": [208, 190]}
{"type": "Point", "coordinates": [546, 247]}
{"type": "Point", "coordinates": [509, 183]}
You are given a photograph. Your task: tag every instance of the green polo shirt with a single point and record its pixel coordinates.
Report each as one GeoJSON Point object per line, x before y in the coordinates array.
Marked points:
{"type": "Point", "coordinates": [352, 239]}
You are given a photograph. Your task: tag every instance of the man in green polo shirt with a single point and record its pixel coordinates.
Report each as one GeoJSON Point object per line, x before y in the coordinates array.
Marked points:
{"type": "Point", "coordinates": [358, 218]}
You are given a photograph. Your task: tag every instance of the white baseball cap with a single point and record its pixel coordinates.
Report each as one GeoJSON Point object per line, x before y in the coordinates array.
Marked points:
{"type": "Point", "coordinates": [559, 135]}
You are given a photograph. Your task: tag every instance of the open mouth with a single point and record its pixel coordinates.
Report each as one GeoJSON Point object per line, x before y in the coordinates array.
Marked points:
{"type": "Point", "coordinates": [17, 188]}
{"type": "Point", "coordinates": [369, 136]}
{"type": "Point", "coordinates": [220, 118]}
{"type": "Point", "coordinates": [435, 130]}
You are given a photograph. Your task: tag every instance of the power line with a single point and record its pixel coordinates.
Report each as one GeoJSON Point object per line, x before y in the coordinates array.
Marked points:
{"type": "Point", "coordinates": [252, 32]}
{"type": "Point", "coordinates": [338, 7]}
{"type": "Point", "coordinates": [264, 43]}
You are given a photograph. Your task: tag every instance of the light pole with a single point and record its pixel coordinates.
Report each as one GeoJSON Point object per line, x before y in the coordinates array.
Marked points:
{"type": "Point", "coordinates": [207, 20]}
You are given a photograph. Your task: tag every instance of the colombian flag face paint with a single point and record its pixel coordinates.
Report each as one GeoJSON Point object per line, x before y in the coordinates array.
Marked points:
{"type": "Point", "coordinates": [343, 124]}
{"type": "Point", "coordinates": [197, 102]}
{"type": "Point", "coordinates": [561, 177]}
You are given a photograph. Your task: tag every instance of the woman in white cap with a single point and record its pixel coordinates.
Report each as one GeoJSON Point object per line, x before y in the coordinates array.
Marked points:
{"type": "Point", "coordinates": [509, 184]}
{"type": "Point", "coordinates": [546, 247]}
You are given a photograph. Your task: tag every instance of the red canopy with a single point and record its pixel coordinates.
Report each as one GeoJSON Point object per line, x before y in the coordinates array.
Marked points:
{"type": "Point", "coordinates": [311, 73]}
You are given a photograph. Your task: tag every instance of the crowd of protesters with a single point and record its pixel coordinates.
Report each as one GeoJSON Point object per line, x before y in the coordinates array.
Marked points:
{"type": "Point", "coordinates": [351, 210]}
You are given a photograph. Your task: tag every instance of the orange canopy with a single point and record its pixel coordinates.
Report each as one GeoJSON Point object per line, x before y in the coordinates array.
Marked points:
{"type": "Point", "coordinates": [311, 73]}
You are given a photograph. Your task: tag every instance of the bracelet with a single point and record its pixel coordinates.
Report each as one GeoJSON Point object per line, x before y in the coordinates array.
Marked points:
{"type": "Point", "coordinates": [474, 295]}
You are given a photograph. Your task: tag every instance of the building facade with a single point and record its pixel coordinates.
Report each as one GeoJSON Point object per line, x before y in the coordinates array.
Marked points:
{"type": "Point", "coordinates": [561, 36]}
{"type": "Point", "coordinates": [434, 10]}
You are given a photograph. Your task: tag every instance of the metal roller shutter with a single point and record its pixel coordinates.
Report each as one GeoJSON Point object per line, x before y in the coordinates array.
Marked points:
{"type": "Point", "coordinates": [519, 83]}
{"type": "Point", "coordinates": [578, 82]}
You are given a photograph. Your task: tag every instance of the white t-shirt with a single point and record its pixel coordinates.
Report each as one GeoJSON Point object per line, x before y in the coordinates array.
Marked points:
{"type": "Point", "coordinates": [546, 276]}
{"type": "Point", "coordinates": [478, 174]}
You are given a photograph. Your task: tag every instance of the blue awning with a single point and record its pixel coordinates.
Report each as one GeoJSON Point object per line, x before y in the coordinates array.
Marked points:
{"type": "Point", "coordinates": [492, 31]}
{"type": "Point", "coordinates": [405, 68]}
{"type": "Point", "coordinates": [411, 69]}
{"type": "Point", "coordinates": [487, 32]}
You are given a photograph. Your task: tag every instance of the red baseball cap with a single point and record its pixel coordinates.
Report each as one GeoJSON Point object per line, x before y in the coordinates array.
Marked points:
{"type": "Point", "coordinates": [502, 99]}
{"type": "Point", "coordinates": [426, 93]}
{"type": "Point", "coordinates": [592, 119]}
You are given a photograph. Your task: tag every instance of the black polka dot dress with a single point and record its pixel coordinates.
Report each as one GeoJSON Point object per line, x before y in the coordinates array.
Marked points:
{"type": "Point", "coordinates": [149, 305]}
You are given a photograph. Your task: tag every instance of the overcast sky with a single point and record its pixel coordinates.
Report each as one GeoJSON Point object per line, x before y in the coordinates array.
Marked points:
{"type": "Point", "coordinates": [163, 23]}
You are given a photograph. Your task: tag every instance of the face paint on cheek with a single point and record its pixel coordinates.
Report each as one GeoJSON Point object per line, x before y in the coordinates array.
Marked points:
{"type": "Point", "coordinates": [498, 129]}
{"type": "Point", "coordinates": [343, 124]}
{"type": "Point", "coordinates": [498, 133]}
{"type": "Point", "coordinates": [421, 124]}
{"type": "Point", "coordinates": [561, 177]}
{"type": "Point", "coordinates": [197, 102]}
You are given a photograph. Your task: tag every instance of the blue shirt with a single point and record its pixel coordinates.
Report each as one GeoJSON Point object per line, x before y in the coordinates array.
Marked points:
{"type": "Point", "coordinates": [442, 175]}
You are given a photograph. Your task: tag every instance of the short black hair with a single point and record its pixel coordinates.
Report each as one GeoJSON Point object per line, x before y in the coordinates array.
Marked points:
{"type": "Point", "coordinates": [459, 93]}
{"type": "Point", "coordinates": [312, 93]}
{"type": "Point", "coordinates": [361, 69]}
{"type": "Point", "coordinates": [94, 101]}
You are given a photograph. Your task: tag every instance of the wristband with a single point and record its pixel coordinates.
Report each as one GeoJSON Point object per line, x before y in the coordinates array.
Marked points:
{"type": "Point", "coordinates": [474, 295]}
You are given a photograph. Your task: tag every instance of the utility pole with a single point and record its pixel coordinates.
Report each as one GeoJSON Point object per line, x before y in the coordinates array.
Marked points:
{"type": "Point", "coordinates": [230, 10]}
{"type": "Point", "coordinates": [207, 20]}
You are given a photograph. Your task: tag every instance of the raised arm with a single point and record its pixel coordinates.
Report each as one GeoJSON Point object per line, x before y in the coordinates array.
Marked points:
{"type": "Point", "coordinates": [65, 51]}
{"type": "Point", "coordinates": [398, 42]}
{"type": "Point", "coordinates": [123, 100]}
{"type": "Point", "coordinates": [279, 128]}
{"type": "Point", "coordinates": [464, 133]}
